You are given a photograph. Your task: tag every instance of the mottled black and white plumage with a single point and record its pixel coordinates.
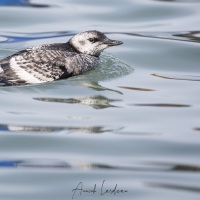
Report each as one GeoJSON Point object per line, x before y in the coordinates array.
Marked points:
{"type": "Point", "coordinates": [51, 62]}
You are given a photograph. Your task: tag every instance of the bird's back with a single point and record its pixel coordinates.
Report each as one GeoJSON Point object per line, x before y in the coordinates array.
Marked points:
{"type": "Point", "coordinates": [44, 63]}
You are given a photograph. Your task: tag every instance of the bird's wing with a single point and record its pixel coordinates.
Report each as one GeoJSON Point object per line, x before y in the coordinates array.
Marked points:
{"type": "Point", "coordinates": [36, 65]}
{"type": "Point", "coordinates": [44, 63]}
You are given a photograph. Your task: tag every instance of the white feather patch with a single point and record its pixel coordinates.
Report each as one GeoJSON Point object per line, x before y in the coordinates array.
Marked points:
{"type": "Point", "coordinates": [1, 70]}
{"type": "Point", "coordinates": [22, 74]}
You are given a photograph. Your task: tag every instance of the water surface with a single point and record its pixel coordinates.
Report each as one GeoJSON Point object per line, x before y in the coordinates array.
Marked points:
{"type": "Point", "coordinates": [132, 124]}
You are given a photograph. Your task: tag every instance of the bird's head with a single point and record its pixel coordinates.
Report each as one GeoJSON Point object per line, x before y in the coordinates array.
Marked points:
{"type": "Point", "coordinates": [92, 42]}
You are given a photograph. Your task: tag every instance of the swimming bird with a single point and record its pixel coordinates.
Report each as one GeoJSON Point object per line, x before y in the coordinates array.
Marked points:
{"type": "Point", "coordinates": [50, 62]}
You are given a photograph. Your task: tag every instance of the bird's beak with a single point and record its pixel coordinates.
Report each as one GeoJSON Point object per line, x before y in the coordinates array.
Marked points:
{"type": "Point", "coordinates": [112, 42]}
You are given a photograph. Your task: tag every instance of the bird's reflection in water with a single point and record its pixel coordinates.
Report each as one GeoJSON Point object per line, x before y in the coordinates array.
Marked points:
{"type": "Point", "coordinates": [87, 165]}
{"type": "Point", "coordinates": [65, 130]}
{"type": "Point", "coordinates": [96, 102]}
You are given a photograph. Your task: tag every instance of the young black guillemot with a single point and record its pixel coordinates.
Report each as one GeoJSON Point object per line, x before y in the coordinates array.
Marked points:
{"type": "Point", "coordinates": [49, 62]}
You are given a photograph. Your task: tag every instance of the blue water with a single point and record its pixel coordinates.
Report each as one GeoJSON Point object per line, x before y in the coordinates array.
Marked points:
{"type": "Point", "coordinates": [130, 129]}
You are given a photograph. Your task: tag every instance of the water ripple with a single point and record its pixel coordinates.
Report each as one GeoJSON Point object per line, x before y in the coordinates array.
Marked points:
{"type": "Point", "coordinates": [188, 36]}
{"type": "Point", "coordinates": [22, 3]}
{"type": "Point", "coordinates": [58, 163]}
{"type": "Point", "coordinates": [136, 88]}
{"type": "Point", "coordinates": [173, 186]}
{"type": "Point", "coordinates": [110, 67]}
{"type": "Point", "coordinates": [178, 77]}
{"type": "Point", "coordinates": [12, 37]}
{"type": "Point", "coordinates": [162, 105]}
{"type": "Point", "coordinates": [180, 1]}
{"type": "Point", "coordinates": [197, 129]}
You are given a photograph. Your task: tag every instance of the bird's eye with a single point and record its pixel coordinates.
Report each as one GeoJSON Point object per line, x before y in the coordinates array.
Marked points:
{"type": "Point", "coordinates": [93, 40]}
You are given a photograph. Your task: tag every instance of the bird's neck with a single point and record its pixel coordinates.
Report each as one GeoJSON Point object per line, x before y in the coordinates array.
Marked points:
{"type": "Point", "coordinates": [71, 47]}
